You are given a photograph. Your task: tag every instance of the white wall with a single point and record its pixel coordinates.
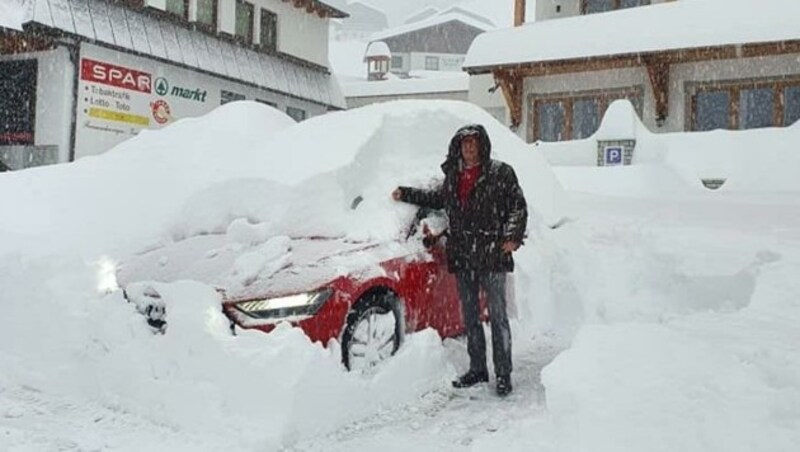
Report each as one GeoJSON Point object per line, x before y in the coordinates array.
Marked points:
{"type": "Point", "coordinates": [54, 99]}
{"type": "Point", "coordinates": [300, 34]}
{"type": "Point", "coordinates": [447, 61]}
{"type": "Point", "coordinates": [479, 95]}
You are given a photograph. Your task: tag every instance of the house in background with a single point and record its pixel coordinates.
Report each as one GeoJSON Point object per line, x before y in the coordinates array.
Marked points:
{"type": "Point", "coordinates": [438, 43]}
{"type": "Point", "coordinates": [685, 65]}
{"type": "Point", "coordinates": [425, 60]}
{"type": "Point", "coordinates": [83, 75]}
{"type": "Point", "coordinates": [381, 85]}
{"type": "Point", "coordinates": [362, 22]}
{"type": "Point", "coordinates": [431, 11]}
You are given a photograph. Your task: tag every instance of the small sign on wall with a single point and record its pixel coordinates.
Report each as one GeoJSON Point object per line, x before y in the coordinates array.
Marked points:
{"type": "Point", "coordinates": [613, 155]}
{"type": "Point", "coordinates": [615, 152]}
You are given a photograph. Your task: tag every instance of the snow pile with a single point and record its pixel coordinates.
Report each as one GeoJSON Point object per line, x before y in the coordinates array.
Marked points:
{"type": "Point", "coordinates": [247, 174]}
{"type": "Point", "coordinates": [677, 163]}
{"type": "Point", "coordinates": [114, 202]}
{"type": "Point", "coordinates": [368, 152]}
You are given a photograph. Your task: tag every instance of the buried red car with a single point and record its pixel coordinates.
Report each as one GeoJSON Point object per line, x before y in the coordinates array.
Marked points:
{"type": "Point", "coordinates": [365, 294]}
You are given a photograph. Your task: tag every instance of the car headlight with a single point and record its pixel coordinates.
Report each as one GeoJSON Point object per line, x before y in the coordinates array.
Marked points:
{"type": "Point", "coordinates": [303, 304]}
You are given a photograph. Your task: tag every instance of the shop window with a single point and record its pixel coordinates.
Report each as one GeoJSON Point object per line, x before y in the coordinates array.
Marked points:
{"type": "Point", "coordinates": [791, 112]}
{"type": "Point", "coordinates": [244, 21]}
{"type": "Point", "coordinates": [229, 96]}
{"type": "Point", "coordinates": [560, 118]}
{"type": "Point", "coordinates": [599, 6]}
{"type": "Point", "coordinates": [179, 8]}
{"type": "Point", "coordinates": [207, 13]}
{"type": "Point", "coordinates": [269, 30]}
{"type": "Point", "coordinates": [756, 108]}
{"type": "Point", "coordinates": [431, 63]}
{"type": "Point", "coordinates": [397, 62]}
{"type": "Point", "coordinates": [712, 110]}
{"type": "Point", "coordinates": [18, 102]}
{"type": "Point", "coordinates": [296, 113]}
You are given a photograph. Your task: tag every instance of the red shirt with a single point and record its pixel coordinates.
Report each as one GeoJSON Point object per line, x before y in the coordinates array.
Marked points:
{"type": "Point", "coordinates": [466, 182]}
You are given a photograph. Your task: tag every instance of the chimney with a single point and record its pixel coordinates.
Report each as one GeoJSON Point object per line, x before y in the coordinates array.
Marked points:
{"type": "Point", "coordinates": [519, 12]}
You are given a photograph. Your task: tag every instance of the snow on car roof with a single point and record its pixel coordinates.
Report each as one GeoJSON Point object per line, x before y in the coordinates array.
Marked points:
{"type": "Point", "coordinates": [682, 24]}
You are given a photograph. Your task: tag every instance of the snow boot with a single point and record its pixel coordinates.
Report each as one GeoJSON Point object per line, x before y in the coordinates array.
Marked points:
{"type": "Point", "coordinates": [504, 385]}
{"type": "Point", "coordinates": [471, 378]}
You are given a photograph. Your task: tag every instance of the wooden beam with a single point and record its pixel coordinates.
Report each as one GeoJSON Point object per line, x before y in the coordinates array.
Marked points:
{"type": "Point", "coordinates": [17, 42]}
{"type": "Point", "coordinates": [658, 71]}
{"type": "Point", "coordinates": [511, 85]}
{"type": "Point", "coordinates": [519, 12]}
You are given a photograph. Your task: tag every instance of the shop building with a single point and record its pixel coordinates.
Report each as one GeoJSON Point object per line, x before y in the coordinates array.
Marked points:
{"type": "Point", "coordinates": [80, 76]}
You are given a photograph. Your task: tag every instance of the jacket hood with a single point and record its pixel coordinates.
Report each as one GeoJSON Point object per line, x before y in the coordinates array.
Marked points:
{"type": "Point", "coordinates": [454, 153]}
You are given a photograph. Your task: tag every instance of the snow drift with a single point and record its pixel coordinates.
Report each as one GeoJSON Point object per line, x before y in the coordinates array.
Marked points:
{"type": "Point", "coordinates": [246, 171]}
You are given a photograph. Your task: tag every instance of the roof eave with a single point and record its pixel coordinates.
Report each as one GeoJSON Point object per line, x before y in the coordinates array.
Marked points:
{"type": "Point", "coordinates": [321, 8]}
{"type": "Point", "coordinates": [673, 56]}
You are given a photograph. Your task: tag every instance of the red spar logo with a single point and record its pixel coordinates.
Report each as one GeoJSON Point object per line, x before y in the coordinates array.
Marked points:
{"type": "Point", "coordinates": [110, 74]}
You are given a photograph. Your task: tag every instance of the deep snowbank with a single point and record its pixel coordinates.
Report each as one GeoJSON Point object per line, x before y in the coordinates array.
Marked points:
{"type": "Point", "coordinates": [750, 161]}
{"type": "Point", "coordinates": [243, 170]}
{"type": "Point", "coordinates": [129, 195]}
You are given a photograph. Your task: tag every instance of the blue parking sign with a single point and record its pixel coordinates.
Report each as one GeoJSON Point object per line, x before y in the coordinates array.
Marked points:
{"type": "Point", "coordinates": [613, 155]}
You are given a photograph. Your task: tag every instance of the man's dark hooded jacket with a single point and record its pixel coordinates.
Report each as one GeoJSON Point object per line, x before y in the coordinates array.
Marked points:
{"type": "Point", "coordinates": [495, 211]}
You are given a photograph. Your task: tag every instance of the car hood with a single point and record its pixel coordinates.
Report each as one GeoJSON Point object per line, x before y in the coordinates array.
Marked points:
{"type": "Point", "coordinates": [277, 267]}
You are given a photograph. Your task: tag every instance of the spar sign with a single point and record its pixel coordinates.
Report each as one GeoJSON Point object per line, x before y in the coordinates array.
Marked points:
{"type": "Point", "coordinates": [117, 76]}
{"type": "Point", "coordinates": [120, 94]}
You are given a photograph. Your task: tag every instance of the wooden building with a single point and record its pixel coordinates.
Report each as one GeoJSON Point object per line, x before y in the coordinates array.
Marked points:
{"type": "Point", "coordinates": [685, 65]}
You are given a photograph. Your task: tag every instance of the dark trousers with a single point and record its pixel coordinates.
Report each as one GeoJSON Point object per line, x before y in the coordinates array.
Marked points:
{"type": "Point", "coordinates": [494, 286]}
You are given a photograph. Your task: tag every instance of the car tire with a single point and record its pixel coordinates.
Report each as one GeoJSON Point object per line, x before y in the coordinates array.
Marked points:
{"type": "Point", "coordinates": [373, 331]}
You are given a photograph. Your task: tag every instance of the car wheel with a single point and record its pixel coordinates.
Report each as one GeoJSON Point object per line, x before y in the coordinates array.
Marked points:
{"type": "Point", "coordinates": [373, 332]}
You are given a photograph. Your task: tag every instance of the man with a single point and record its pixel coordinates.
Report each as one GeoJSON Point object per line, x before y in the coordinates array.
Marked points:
{"type": "Point", "coordinates": [488, 216]}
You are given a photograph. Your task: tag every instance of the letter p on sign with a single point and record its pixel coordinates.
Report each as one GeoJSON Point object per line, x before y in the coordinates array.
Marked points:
{"type": "Point", "coordinates": [613, 155]}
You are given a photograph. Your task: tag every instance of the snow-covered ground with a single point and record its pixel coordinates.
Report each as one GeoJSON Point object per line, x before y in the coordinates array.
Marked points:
{"type": "Point", "coordinates": [655, 319]}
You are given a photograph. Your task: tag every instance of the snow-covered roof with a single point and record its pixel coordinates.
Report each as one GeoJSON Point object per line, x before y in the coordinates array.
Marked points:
{"type": "Point", "coordinates": [378, 49]}
{"type": "Point", "coordinates": [12, 14]}
{"type": "Point", "coordinates": [469, 13]}
{"type": "Point", "coordinates": [421, 15]}
{"type": "Point", "coordinates": [683, 24]}
{"type": "Point", "coordinates": [402, 87]}
{"type": "Point", "coordinates": [427, 23]}
{"type": "Point", "coordinates": [116, 25]}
